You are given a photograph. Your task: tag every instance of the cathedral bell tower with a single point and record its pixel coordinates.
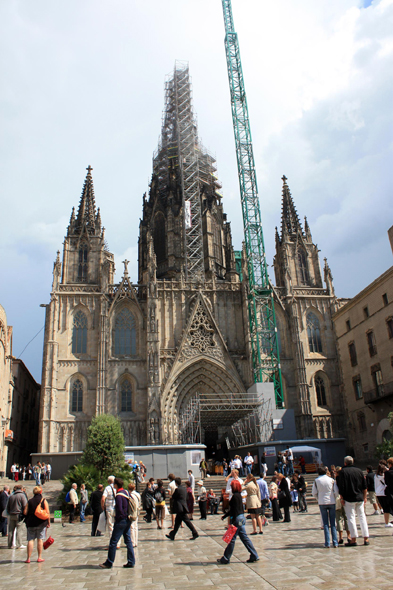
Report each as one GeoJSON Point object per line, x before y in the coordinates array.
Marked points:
{"type": "Point", "coordinates": [296, 263]}
{"type": "Point", "coordinates": [85, 254]}
{"type": "Point", "coordinates": [307, 342]}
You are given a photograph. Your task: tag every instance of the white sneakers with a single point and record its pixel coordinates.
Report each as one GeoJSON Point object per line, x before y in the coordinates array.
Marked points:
{"type": "Point", "coordinates": [376, 513]}
{"type": "Point", "coordinates": [388, 525]}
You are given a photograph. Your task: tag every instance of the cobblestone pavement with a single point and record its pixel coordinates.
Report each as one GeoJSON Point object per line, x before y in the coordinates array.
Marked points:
{"type": "Point", "coordinates": [292, 557]}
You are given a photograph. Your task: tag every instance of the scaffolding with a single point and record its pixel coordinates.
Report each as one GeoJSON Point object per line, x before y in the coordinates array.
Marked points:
{"type": "Point", "coordinates": [247, 417]}
{"type": "Point", "coordinates": [180, 149]}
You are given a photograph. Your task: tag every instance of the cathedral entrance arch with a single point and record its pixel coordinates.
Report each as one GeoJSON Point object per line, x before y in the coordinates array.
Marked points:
{"type": "Point", "coordinates": [202, 376]}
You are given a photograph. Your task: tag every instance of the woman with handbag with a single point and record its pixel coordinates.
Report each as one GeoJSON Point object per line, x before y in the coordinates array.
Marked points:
{"type": "Point", "coordinates": [253, 503]}
{"type": "Point", "coordinates": [37, 521]}
{"type": "Point", "coordinates": [284, 497]}
{"type": "Point", "coordinates": [273, 495]}
{"type": "Point", "coordinates": [238, 520]}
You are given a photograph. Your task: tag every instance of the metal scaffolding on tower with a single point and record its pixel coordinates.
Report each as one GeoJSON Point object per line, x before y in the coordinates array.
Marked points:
{"type": "Point", "coordinates": [180, 148]}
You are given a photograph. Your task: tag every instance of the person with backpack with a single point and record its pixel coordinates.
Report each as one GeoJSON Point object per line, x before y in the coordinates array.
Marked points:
{"type": "Point", "coordinates": [136, 497]}
{"type": "Point", "coordinates": [108, 503]}
{"type": "Point", "coordinates": [124, 513]}
{"type": "Point", "coordinates": [159, 495]}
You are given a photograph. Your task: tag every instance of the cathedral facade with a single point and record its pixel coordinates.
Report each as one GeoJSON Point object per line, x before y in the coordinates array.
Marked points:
{"type": "Point", "coordinates": [142, 351]}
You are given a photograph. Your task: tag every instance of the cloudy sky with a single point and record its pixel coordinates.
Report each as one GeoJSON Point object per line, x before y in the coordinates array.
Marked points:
{"type": "Point", "coordinates": [82, 82]}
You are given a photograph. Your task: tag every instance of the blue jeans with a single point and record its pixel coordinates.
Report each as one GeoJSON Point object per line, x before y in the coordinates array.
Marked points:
{"type": "Point", "coordinates": [280, 468]}
{"type": "Point", "coordinates": [240, 523]}
{"type": "Point", "coordinates": [328, 512]}
{"type": "Point", "coordinates": [248, 468]}
{"type": "Point", "coordinates": [289, 467]}
{"type": "Point", "coordinates": [120, 528]}
{"type": "Point", "coordinates": [82, 512]}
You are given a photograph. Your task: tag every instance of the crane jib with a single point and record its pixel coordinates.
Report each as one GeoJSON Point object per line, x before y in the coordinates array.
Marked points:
{"type": "Point", "coordinates": [263, 329]}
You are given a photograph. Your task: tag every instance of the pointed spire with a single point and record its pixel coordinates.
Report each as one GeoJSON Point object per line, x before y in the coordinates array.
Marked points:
{"type": "Point", "coordinates": [87, 206]}
{"type": "Point", "coordinates": [307, 230]}
{"type": "Point", "coordinates": [328, 277]}
{"type": "Point", "coordinates": [98, 220]}
{"type": "Point", "coordinates": [290, 222]}
{"type": "Point", "coordinates": [277, 237]}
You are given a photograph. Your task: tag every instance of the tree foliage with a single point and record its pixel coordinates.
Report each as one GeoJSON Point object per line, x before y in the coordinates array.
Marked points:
{"type": "Point", "coordinates": [105, 445]}
{"type": "Point", "coordinates": [385, 449]}
{"type": "Point", "coordinates": [103, 456]}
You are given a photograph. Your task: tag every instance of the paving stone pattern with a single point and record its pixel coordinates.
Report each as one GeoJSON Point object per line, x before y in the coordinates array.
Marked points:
{"type": "Point", "coordinates": [292, 557]}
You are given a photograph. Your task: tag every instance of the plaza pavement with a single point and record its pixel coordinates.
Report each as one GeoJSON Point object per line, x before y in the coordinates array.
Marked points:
{"type": "Point", "coordinates": [292, 557]}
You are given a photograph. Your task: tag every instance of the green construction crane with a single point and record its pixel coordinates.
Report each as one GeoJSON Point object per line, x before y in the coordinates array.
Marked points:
{"type": "Point", "coordinates": [263, 329]}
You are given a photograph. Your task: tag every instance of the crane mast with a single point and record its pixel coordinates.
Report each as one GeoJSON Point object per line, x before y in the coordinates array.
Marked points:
{"type": "Point", "coordinates": [262, 320]}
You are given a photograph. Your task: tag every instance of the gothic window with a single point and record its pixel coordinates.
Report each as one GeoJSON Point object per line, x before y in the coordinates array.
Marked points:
{"type": "Point", "coordinates": [77, 396]}
{"type": "Point", "coordinates": [389, 323]}
{"type": "Point", "coordinates": [79, 333]}
{"type": "Point", "coordinates": [303, 268]}
{"type": "Point", "coordinates": [372, 347]}
{"type": "Point", "coordinates": [377, 378]}
{"type": "Point", "coordinates": [314, 333]}
{"type": "Point", "coordinates": [357, 387]}
{"type": "Point", "coordinates": [217, 244]}
{"type": "Point", "coordinates": [352, 354]}
{"type": "Point", "coordinates": [159, 237]}
{"type": "Point", "coordinates": [362, 422]}
{"type": "Point", "coordinates": [125, 333]}
{"type": "Point", "coordinates": [320, 391]}
{"type": "Point", "coordinates": [126, 396]}
{"type": "Point", "coordinates": [82, 262]}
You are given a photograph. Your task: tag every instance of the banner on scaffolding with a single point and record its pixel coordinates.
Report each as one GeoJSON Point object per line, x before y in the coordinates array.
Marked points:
{"type": "Point", "coordinates": [187, 215]}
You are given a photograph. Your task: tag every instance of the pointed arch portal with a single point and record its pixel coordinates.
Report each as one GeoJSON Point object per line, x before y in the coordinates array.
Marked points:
{"type": "Point", "coordinates": [203, 398]}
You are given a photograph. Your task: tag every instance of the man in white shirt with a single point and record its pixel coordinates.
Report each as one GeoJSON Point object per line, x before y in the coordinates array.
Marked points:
{"type": "Point", "coordinates": [108, 504]}
{"type": "Point", "coordinates": [325, 490]}
{"type": "Point", "coordinates": [171, 488]}
{"type": "Point", "coordinates": [233, 475]}
{"type": "Point", "coordinates": [13, 470]}
{"type": "Point", "coordinates": [48, 471]}
{"type": "Point", "coordinates": [249, 462]}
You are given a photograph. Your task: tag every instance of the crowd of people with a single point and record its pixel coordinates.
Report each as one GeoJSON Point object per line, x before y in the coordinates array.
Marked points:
{"type": "Point", "coordinates": [341, 493]}
{"type": "Point", "coordinates": [40, 472]}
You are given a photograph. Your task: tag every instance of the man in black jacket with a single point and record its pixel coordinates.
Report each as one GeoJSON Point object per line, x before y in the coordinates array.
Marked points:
{"type": "Point", "coordinates": [302, 490]}
{"type": "Point", "coordinates": [371, 489]}
{"type": "Point", "coordinates": [353, 492]}
{"type": "Point", "coordinates": [180, 509]}
{"type": "Point", "coordinates": [3, 503]}
{"type": "Point", "coordinates": [95, 505]}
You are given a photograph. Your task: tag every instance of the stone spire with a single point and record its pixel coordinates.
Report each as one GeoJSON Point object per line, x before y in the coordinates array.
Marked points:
{"type": "Point", "coordinates": [290, 222]}
{"type": "Point", "coordinates": [86, 216]}
{"type": "Point", "coordinates": [307, 230]}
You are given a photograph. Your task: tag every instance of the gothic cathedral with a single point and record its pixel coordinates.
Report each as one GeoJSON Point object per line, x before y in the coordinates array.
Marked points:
{"type": "Point", "coordinates": [142, 351]}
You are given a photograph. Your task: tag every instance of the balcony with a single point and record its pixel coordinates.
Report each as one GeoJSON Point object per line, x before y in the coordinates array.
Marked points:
{"type": "Point", "coordinates": [381, 393]}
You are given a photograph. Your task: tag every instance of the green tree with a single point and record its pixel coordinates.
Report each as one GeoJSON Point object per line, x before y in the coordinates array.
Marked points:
{"type": "Point", "coordinates": [385, 449]}
{"type": "Point", "coordinates": [105, 445]}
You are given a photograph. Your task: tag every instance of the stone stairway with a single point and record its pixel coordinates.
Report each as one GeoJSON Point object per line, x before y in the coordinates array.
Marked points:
{"type": "Point", "coordinates": [50, 490]}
